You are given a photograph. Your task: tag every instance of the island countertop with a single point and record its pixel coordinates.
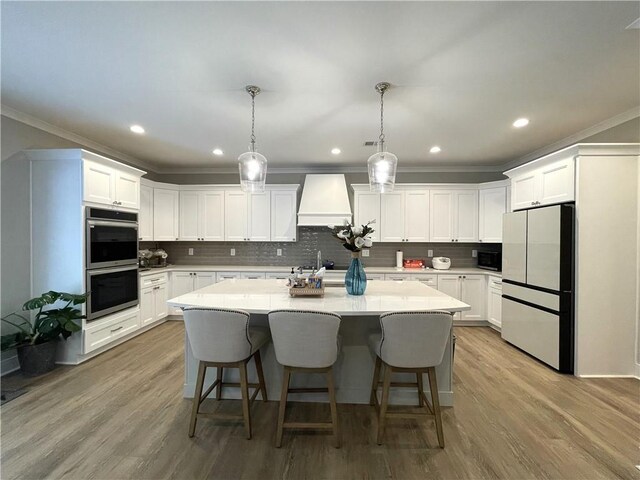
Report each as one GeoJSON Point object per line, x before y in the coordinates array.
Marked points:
{"type": "Point", "coordinates": [263, 296]}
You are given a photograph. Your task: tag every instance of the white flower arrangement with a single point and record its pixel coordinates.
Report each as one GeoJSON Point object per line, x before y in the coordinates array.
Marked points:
{"type": "Point", "coordinates": [354, 238]}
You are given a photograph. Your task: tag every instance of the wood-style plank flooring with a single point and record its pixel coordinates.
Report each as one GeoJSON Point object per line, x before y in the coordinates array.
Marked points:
{"type": "Point", "coordinates": [122, 415]}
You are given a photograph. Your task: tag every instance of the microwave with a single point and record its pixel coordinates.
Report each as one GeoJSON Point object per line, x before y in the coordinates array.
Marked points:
{"type": "Point", "coordinates": [490, 260]}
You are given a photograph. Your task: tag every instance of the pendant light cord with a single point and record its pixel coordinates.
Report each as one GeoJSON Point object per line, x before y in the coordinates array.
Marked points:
{"type": "Point", "coordinates": [253, 121]}
{"type": "Point", "coordinates": [381, 137]}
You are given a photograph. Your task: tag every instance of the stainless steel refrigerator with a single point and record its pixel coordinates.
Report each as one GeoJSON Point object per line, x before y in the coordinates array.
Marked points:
{"type": "Point", "coordinates": [537, 283]}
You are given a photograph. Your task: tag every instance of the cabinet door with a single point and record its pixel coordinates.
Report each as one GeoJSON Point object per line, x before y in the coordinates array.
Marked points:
{"type": "Point", "coordinates": [441, 215]}
{"type": "Point", "coordinates": [228, 276]}
{"type": "Point", "coordinates": [253, 275]}
{"type": "Point", "coordinates": [472, 291]}
{"type": "Point", "coordinates": [204, 279]}
{"type": "Point", "coordinates": [145, 217]}
{"type": "Point", "coordinates": [212, 216]}
{"type": "Point", "coordinates": [189, 215]}
{"type": "Point", "coordinates": [416, 215]}
{"type": "Point", "coordinates": [181, 283]}
{"type": "Point", "coordinates": [146, 305]}
{"type": "Point", "coordinates": [450, 285]}
{"type": "Point", "coordinates": [165, 214]}
{"type": "Point", "coordinates": [494, 307]}
{"type": "Point", "coordinates": [98, 183]}
{"type": "Point", "coordinates": [392, 217]}
{"type": "Point", "coordinates": [466, 216]}
{"type": "Point", "coordinates": [283, 215]}
{"type": "Point", "coordinates": [259, 209]}
{"type": "Point", "coordinates": [524, 191]}
{"type": "Point", "coordinates": [493, 204]}
{"type": "Point", "coordinates": [367, 208]}
{"type": "Point", "coordinates": [160, 297]}
{"type": "Point", "coordinates": [235, 216]}
{"type": "Point", "coordinates": [127, 190]}
{"type": "Point", "coordinates": [397, 277]}
{"type": "Point", "coordinates": [557, 182]}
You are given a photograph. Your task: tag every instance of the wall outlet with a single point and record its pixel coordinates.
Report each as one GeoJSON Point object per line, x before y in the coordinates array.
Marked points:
{"type": "Point", "coordinates": [191, 251]}
{"type": "Point", "coordinates": [430, 253]}
{"type": "Point", "coordinates": [365, 253]}
{"type": "Point", "coordinates": [474, 253]}
{"type": "Point", "coordinates": [233, 252]}
{"type": "Point", "coordinates": [279, 252]}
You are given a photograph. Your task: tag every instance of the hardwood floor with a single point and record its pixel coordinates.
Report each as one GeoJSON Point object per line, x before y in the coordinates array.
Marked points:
{"type": "Point", "coordinates": [122, 415]}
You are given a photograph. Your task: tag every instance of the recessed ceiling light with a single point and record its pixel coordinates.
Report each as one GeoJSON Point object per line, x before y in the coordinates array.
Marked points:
{"type": "Point", "coordinates": [435, 149]}
{"type": "Point", "coordinates": [521, 122]}
{"type": "Point", "coordinates": [217, 151]}
{"type": "Point", "coordinates": [136, 129]}
{"type": "Point", "coordinates": [336, 151]}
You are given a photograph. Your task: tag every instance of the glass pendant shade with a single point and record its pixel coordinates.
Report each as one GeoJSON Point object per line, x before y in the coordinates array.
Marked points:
{"type": "Point", "coordinates": [253, 171]}
{"type": "Point", "coordinates": [382, 171]}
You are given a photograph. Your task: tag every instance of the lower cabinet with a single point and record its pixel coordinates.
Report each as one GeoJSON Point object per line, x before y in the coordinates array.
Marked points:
{"type": "Point", "coordinates": [494, 302]}
{"type": "Point", "coordinates": [108, 329]}
{"type": "Point", "coordinates": [153, 304]}
{"type": "Point", "coordinates": [186, 282]}
{"type": "Point", "coordinates": [469, 289]}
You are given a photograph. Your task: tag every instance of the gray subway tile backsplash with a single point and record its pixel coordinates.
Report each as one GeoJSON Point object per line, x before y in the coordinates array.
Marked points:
{"type": "Point", "coordinates": [304, 251]}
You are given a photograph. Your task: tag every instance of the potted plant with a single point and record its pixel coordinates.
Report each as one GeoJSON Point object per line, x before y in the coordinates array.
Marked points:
{"type": "Point", "coordinates": [354, 239]}
{"type": "Point", "coordinates": [37, 341]}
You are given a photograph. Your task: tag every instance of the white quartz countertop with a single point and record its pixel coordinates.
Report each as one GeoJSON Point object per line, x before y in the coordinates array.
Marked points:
{"type": "Point", "coordinates": [263, 296]}
{"type": "Point", "coordinates": [287, 269]}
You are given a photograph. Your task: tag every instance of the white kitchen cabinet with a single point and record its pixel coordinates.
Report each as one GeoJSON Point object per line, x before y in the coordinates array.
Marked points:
{"type": "Point", "coordinates": [247, 216]}
{"type": "Point", "coordinates": [374, 276]}
{"type": "Point", "coordinates": [202, 215]}
{"type": "Point", "coordinates": [453, 215]}
{"type": "Point", "coordinates": [397, 277]}
{"type": "Point", "coordinates": [186, 282]}
{"type": "Point", "coordinates": [228, 276]}
{"type": "Point", "coordinates": [404, 216]}
{"type": "Point", "coordinates": [283, 215]}
{"type": "Point", "coordinates": [492, 206]}
{"type": "Point", "coordinates": [145, 215]}
{"type": "Point", "coordinates": [146, 305]}
{"type": "Point", "coordinates": [544, 182]}
{"type": "Point", "coordinates": [366, 207]}
{"type": "Point", "coordinates": [469, 289]}
{"type": "Point", "coordinates": [427, 279]}
{"type": "Point", "coordinates": [108, 183]}
{"type": "Point", "coordinates": [108, 329]}
{"type": "Point", "coordinates": [253, 275]}
{"type": "Point", "coordinates": [204, 279]}
{"type": "Point", "coordinates": [494, 302]}
{"type": "Point", "coordinates": [153, 303]}
{"type": "Point", "coordinates": [277, 276]}
{"type": "Point", "coordinates": [165, 214]}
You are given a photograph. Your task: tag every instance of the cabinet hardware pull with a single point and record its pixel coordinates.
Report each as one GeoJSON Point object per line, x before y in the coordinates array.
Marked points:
{"type": "Point", "coordinates": [116, 329]}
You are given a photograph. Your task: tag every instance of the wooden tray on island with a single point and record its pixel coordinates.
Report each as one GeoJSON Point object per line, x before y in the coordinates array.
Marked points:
{"type": "Point", "coordinates": [306, 291]}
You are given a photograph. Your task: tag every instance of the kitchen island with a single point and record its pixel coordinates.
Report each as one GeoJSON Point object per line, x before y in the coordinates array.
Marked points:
{"type": "Point", "coordinates": [354, 368]}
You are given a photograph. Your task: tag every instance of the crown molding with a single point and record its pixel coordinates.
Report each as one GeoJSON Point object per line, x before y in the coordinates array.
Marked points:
{"type": "Point", "coordinates": [84, 142]}
{"type": "Point", "coordinates": [575, 138]}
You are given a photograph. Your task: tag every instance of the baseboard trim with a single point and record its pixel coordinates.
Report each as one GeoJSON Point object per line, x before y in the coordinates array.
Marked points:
{"type": "Point", "coordinates": [637, 371]}
{"type": "Point", "coordinates": [608, 376]}
{"type": "Point", "coordinates": [8, 365]}
{"type": "Point", "coordinates": [471, 323]}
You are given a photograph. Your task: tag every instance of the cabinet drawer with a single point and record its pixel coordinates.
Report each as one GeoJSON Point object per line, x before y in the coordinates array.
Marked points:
{"type": "Point", "coordinates": [374, 276]}
{"type": "Point", "coordinates": [431, 280]}
{"type": "Point", "coordinates": [151, 280]}
{"type": "Point", "coordinates": [277, 276]}
{"type": "Point", "coordinates": [397, 277]}
{"type": "Point", "coordinates": [228, 275]}
{"type": "Point", "coordinates": [253, 275]}
{"type": "Point", "coordinates": [110, 330]}
{"type": "Point", "coordinates": [495, 283]}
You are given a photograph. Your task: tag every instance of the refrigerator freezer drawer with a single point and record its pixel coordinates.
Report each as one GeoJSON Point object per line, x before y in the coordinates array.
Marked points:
{"type": "Point", "coordinates": [535, 331]}
{"type": "Point", "coordinates": [544, 299]}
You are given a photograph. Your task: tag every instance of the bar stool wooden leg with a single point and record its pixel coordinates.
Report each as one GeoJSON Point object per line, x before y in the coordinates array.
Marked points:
{"type": "Point", "coordinates": [435, 401]}
{"type": "Point", "coordinates": [374, 383]}
{"type": "Point", "coordinates": [263, 388]}
{"type": "Point", "coordinates": [420, 389]}
{"type": "Point", "coordinates": [385, 402]}
{"type": "Point", "coordinates": [244, 386]}
{"type": "Point", "coordinates": [219, 388]}
{"type": "Point", "coordinates": [334, 408]}
{"type": "Point", "coordinates": [202, 369]}
{"type": "Point", "coordinates": [283, 405]}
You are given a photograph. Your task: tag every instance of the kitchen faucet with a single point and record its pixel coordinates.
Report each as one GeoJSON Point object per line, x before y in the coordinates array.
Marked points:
{"type": "Point", "coordinates": [319, 260]}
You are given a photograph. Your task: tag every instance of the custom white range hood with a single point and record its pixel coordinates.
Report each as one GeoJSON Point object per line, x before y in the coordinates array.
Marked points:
{"type": "Point", "coordinates": [325, 201]}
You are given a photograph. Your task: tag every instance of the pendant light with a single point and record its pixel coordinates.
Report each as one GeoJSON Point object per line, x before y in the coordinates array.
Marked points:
{"type": "Point", "coordinates": [252, 165]}
{"type": "Point", "coordinates": [382, 165]}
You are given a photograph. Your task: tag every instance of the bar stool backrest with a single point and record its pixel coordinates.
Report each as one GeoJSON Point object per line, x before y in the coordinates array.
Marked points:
{"type": "Point", "coordinates": [414, 339]}
{"type": "Point", "coordinates": [218, 335]}
{"type": "Point", "coordinates": [305, 339]}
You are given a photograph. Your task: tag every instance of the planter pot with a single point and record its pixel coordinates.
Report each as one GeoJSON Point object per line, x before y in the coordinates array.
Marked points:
{"type": "Point", "coordinates": [355, 280]}
{"type": "Point", "coordinates": [37, 359]}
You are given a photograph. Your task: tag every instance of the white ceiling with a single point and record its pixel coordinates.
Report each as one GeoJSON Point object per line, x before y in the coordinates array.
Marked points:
{"type": "Point", "coordinates": [461, 74]}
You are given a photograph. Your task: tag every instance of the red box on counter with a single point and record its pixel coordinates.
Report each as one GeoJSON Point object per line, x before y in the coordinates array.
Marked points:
{"type": "Point", "coordinates": [413, 263]}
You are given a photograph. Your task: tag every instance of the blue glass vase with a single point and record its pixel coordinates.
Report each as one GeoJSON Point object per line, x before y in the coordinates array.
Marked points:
{"type": "Point", "coordinates": [356, 280]}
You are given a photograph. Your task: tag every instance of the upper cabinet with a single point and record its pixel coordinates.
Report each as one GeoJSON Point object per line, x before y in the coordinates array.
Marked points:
{"type": "Point", "coordinates": [145, 215]}
{"type": "Point", "coordinates": [283, 215]}
{"type": "Point", "coordinates": [454, 215]}
{"type": "Point", "coordinates": [404, 216]}
{"type": "Point", "coordinates": [247, 216]}
{"type": "Point", "coordinates": [107, 182]}
{"type": "Point", "coordinates": [493, 205]}
{"type": "Point", "coordinates": [366, 207]}
{"type": "Point", "coordinates": [546, 181]}
{"type": "Point", "coordinates": [201, 215]}
{"type": "Point", "coordinates": [165, 214]}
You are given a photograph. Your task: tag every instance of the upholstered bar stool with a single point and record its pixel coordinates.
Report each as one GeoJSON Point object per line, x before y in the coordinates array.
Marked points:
{"type": "Point", "coordinates": [223, 339]}
{"type": "Point", "coordinates": [307, 342]}
{"type": "Point", "coordinates": [410, 342]}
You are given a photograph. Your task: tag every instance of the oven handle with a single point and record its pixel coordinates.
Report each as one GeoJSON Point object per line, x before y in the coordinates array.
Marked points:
{"type": "Point", "coordinates": [100, 271]}
{"type": "Point", "coordinates": [107, 223]}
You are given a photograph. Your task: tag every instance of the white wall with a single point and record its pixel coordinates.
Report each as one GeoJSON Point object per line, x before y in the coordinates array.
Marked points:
{"type": "Point", "coordinates": [607, 276]}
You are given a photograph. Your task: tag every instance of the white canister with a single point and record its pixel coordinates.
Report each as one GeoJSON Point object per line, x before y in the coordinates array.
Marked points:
{"type": "Point", "coordinates": [399, 259]}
